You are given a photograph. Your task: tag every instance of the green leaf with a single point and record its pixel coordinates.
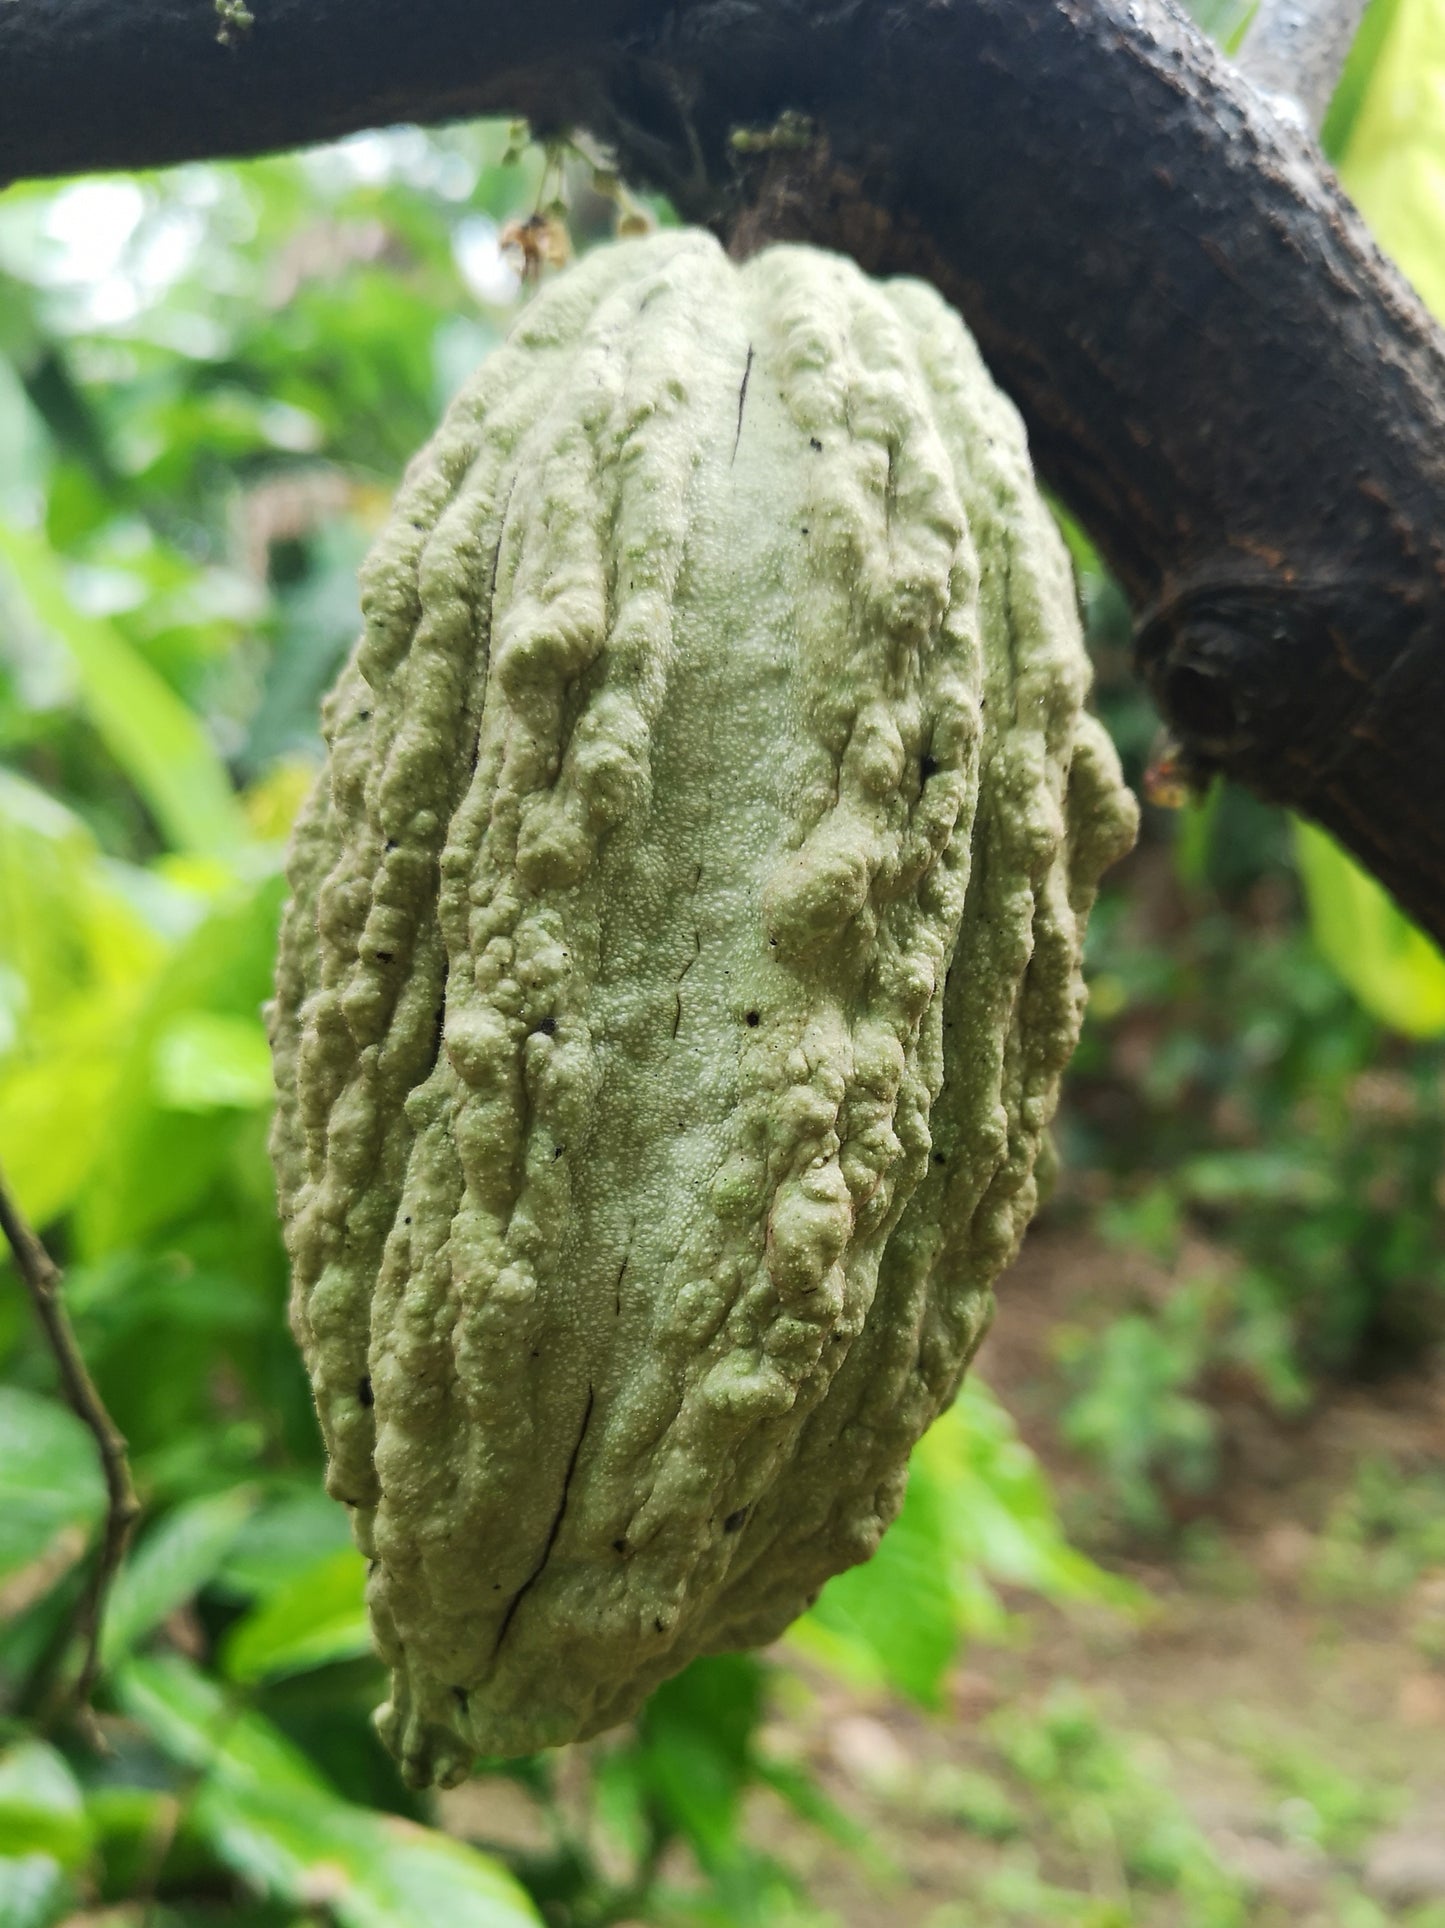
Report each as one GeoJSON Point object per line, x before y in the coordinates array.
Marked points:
{"type": "Point", "coordinates": [66, 922]}
{"type": "Point", "coordinates": [1285, 1177]}
{"type": "Point", "coordinates": [270, 1818]}
{"type": "Point", "coordinates": [897, 1618]}
{"type": "Point", "coordinates": [52, 1113]}
{"type": "Point", "coordinates": [978, 1508]}
{"type": "Point", "coordinates": [34, 1892]}
{"type": "Point", "coordinates": [1391, 967]}
{"type": "Point", "coordinates": [196, 1723]}
{"type": "Point", "coordinates": [1340, 122]}
{"type": "Point", "coordinates": [319, 1617]}
{"type": "Point", "coordinates": [695, 1752]}
{"type": "Point", "coordinates": [425, 1878]}
{"type": "Point", "coordinates": [50, 1476]}
{"type": "Point", "coordinates": [206, 1062]}
{"type": "Point", "coordinates": [42, 1809]}
{"type": "Point", "coordinates": [282, 1539]}
{"type": "Point", "coordinates": [170, 1566]}
{"type": "Point", "coordinates": [74, 957]}
{"type": "Point", "coordinates": [1392, 164]}
{"type": "Point", "coordinates": [158, 1162]}
{"type": "Point", "coordinates": [147, 728]}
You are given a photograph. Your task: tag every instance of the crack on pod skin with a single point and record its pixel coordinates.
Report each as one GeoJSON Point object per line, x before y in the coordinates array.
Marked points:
{"type": "Point", "coordinates": [791, 718]}
{"type": "Point", "coordinates": [556, 1527]}
{"type": "Point", "coordinates": [743, 399]}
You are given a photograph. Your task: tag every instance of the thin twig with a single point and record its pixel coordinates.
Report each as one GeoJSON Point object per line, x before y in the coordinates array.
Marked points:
{"type": "Point", "coordinates": [1295, 51]}
{"type": "Point", "coordinates": [42, 1279]}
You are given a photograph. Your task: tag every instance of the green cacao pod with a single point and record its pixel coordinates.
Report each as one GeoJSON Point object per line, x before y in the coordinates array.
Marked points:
{"type": "Point", "coordinates": [682, 956]}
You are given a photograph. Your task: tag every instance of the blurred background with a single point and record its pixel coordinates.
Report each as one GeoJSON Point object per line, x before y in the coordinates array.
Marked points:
{"type": "Point", "coordinates": [1160, 1637]}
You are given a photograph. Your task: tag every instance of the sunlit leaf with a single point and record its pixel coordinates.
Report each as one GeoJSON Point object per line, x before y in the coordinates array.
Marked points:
{"type": "Point", "coordinates": [206, 1062]}
{"type": "Point", "coordinates": [34, 1891]}
{"type": "Point", "coordinates": [978, 1509]}
{"type": "Point", "coordinates": [147, 728]}
{"type": "Point", "coordinates": [51, 1479]}
{"type": "Point", "coordinates": [1393, 162]}
{"type": "Point", "coordinates": [695, 1741]}
{"type": "Point", "coordinates": [53, 1109]}
{"type": "Point", "coordinates": [284, 1539]}
{"type": "Point", "coordinates": [69, 919]}
{"type": "Point", "coordinates": [158, 1161]}
{"type": "Point", "coordinates": [898, 1618]}
{"type": "Point", "coordinates": [319, 1617]}
{"type": "Point", "coordinates": [200, 1726]}
{"type": "Point", "coordinates": [42, 1808]}
{"type": "Point", "coordinates": [271, 1818]}
{"type": "Point", "coordinates": [170, 1565]}
{"type": "Point", "coordinates": [1392, 968]}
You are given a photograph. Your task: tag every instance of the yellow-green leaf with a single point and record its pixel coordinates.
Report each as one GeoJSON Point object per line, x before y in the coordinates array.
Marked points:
{"type": "Point", "coordinates": [1392, 968]}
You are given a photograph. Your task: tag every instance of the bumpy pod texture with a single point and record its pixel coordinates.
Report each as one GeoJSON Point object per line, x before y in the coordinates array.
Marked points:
{"type": "Point", "coordinates": [682, 957]}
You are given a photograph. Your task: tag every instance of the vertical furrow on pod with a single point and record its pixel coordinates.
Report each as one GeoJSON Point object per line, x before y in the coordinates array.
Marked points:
{"type": "Point", "coordinates": [1012, 1005]}
{"type": "Point", "coordinates": [417, 682]}
{"type": "Point", "coordinates": [362, 873]}
{"type": "Point", "coordinates": [905, 790]}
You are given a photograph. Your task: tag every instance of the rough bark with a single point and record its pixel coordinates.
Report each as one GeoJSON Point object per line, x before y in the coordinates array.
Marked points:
{"type": "Point", "coordinates": [1244, 405]}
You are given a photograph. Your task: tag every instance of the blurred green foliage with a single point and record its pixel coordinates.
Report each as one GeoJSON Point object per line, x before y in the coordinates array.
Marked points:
{"type": "Point", "coordinates": [209, 382]}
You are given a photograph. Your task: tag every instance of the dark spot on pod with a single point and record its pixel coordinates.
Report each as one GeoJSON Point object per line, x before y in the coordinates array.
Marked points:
{"type": "Point", "coordinates": [619, 1546]}
{"type": "Point", "coordinates": [365, 1394]}
{"type": "Point", "coordinates": [548, 1027]}
{"type": "Point", "coordinates": [804, 532]}
{"type": "Point", "coordinates": [557, 1150]}
{"type": "Point", "coordinates": [753, 1019]}
{"type": "Point", "coordinates": [928, 767]}
{"type": "Point", "coordinates": [461, 1697]}
{"type": "Point", "coordinates": [406, 1221]}
{"type": "Point", "coordinates": [384, 957]}
{"type": "Point", "coordinates": [363, 716]}
{"type": "Point", "coordinates": [815, 445]}
{"type": "Point", "coordinates": [939, 1159]}
{"type": "Point", "coordinates": [735, 1520]}
{"type": "Point", "coordinates": [372, 1565]}
{"type": "Point", "coordinates": [391, 843]}
{"type": "Point", "coordinates": [659, 1626]}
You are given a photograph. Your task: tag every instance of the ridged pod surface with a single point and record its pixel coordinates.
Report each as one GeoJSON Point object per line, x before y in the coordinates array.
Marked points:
{"type": "Point", "coordinates": [682, 956]}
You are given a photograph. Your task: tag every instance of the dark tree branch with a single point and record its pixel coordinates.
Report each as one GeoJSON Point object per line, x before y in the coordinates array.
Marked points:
{"type": "Point", "coordinates": [1244, 405]}
{"type": "Point", "coordinates": [41, 1278]}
